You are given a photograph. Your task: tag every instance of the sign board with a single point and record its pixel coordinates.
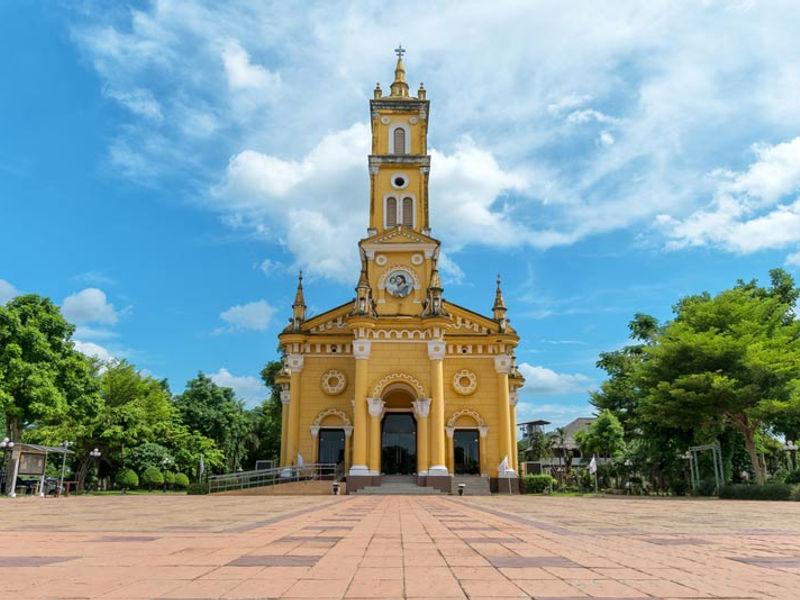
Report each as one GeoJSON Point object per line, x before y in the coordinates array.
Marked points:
{"type": "Point", "coordinates": [31, 464]}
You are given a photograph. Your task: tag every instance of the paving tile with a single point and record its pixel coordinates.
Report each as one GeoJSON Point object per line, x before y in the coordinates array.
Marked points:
{"type": "Point", "coordinates": [274, 560]}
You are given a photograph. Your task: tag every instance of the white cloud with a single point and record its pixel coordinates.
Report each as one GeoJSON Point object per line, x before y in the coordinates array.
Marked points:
{"type": "Point", "coordinates": [793, 259]}
{"type": "Point", "coordinates": [93, 350]}
{"type": "Point", "coordinates": [269, 267]}
{"type": "Point", "coordinates": [450, 271]}
{"type": "Point", "coordinates": [690, 87]}
{"type": "Point", "coordinates": [89, 306]}
{"type": "Point", "coordinates": [7, 291]}
{"type": "Point", "coordinates": [745, 215]}
{"type": "Point", "coordinates": [248, 388]}
{"type": "Point", "coordinates": [254, 315]}
{"type": "Point", "coordinates": [544, 381]}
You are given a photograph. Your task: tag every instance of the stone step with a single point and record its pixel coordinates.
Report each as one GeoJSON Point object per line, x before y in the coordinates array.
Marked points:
{"type": "Point", "coordinates": [398, 490]}
{"type": "Point", "coordinates": [475, 485]}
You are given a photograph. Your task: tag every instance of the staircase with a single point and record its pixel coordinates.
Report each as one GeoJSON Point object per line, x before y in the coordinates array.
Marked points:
{"type": "Point", "coordinates": [398, 485]}
{"type": "Point", "coordinates": [475, 485]}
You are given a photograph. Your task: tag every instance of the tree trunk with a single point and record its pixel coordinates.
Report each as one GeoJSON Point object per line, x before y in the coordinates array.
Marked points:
{"type": "Point", "coordinates": [748, 431]}
{"type": "Point", "coordinates": [83, 469]}
{"type": "Point", "coordinates": [14, 433]}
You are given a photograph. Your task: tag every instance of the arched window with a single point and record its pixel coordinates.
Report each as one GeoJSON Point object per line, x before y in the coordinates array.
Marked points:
{"type": "Point", "coordinates": [399, 141]}
{"type": "Point", "coordinates": [408, 212]}
{"type": "Point", "coordinates": [391, 212]}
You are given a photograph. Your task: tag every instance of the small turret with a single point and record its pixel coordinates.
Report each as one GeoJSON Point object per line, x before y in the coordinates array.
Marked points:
{"type": "Point", "coordinates": [364, 306]}
{"type": "Point", "coordinates": [499, 308]}
{"type": "Point", "coordinates": [299, 306]}
{"type": "Point", "coordinates": [399, 85]}
{"type": "Point", "coordinates": [434, 305]}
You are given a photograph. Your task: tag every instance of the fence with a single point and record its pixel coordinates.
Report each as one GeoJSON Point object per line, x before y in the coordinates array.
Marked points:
{"type": "Point", "coordinates": [262, 477]}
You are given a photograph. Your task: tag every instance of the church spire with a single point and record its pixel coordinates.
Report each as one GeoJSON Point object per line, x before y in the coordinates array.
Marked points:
{"type": "Point", "coordinates": [399, 86]}
{"type": "Point", "coordinates": [299, 306]}
{"type": "Point", "coordinates": [363, 305]}
{"type": "Point", "coordinates": [499, 307]}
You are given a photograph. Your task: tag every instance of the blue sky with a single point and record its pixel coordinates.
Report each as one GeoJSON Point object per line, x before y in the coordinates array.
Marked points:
{"type": "Point", "coordinates": [166, 167]}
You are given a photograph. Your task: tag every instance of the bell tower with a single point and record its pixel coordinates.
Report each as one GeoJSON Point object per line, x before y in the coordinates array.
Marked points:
{"type": "Point", "coordinates": [399, 163]}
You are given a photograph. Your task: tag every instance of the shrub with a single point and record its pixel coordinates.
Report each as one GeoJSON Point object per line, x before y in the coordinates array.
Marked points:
{"type": "Point", "coordinates": [181, 481]}
{"type": "Point", "coordinates": [536, 484]}
{"type": "Point", "coordinates": [793, 477]}
{"type": "Point", "coordinates": [152, 478]}
{"type": "Point", "coordinates": [706, 487]}
{"type": "Point", "coordinates": [169, 478]}
{"type": "Point", "coordinates": [127, 479]}
{"type": "Point", "coordinates": [198, 488]}
{"type": "Point", "coordinates": [769, 491]}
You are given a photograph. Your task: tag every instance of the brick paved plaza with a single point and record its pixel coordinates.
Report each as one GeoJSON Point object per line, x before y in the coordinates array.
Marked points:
{"type": "Point", "coordinates": [397, 547]}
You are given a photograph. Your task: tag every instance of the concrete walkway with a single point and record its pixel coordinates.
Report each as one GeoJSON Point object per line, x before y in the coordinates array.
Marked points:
{"type": "Point", "coordinates": [397, 547]}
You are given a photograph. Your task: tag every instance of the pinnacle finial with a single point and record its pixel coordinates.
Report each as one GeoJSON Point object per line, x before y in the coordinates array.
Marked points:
{"type": "Point", "coordinates": [399, 50]}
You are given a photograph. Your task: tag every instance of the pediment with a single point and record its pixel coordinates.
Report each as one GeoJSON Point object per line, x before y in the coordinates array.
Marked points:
{"type": "Point", "coordinates": [331, 321]}
{"type": "Point", "coordinates": [399, 235]}
{"type": "Point", "coordinates": [470, 322]}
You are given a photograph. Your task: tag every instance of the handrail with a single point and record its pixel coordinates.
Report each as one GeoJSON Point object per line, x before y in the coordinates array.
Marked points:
{"type": "Point", "coordinates": [263, 477]}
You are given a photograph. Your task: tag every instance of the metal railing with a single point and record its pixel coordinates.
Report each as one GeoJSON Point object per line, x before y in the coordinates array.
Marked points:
{"type": "Point", "coordinates": [242, 480]}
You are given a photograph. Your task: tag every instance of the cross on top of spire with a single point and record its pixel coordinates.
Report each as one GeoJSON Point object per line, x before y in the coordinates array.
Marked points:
{"type": "Point", "coordinates": [399, 50]}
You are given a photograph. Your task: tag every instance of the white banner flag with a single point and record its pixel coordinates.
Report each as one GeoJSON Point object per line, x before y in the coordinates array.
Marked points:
{"type": "Point", "coordinates": [593, 466]}
{"type": "Point", "coordinates": [503, 465]}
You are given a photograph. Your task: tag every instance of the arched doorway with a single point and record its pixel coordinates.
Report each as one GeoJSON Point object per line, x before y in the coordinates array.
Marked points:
{"type": "Point", "coordinates": [398, 432]}
{"type": "Point", "coordinates": [399, 444]}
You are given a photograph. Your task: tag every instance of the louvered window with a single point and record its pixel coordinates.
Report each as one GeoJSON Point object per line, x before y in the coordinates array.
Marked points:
{"type": "Point", "coordinates": [399, 141]}
{"type": "Point", "coordinates": [408, 212]}
{"type": "Point", "coordinates": [391, 212]}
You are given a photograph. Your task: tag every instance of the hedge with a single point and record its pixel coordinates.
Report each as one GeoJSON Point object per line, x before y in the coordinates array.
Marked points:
{"type": "Point", "coordinates": [152, 478]}
{"type": "Point", "coordinates": [769, 491]}
{"type": "Point", "coordinates": [181, 481]}
{"type": "Point", "coordinates": [536, 484]}
{"type": "Point", "coordinates": [127, 479]}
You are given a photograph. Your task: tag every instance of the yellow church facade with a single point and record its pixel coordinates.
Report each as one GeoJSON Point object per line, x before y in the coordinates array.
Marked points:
{"type": "Point", "coordinates": [398, 380]}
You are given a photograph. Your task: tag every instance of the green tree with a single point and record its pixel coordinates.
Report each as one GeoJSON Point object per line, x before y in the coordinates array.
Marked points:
{"type": "Point", "coordinates": [604, 437]}
{"type": "Point", "coordinates": [216, 413]}
{"type": "Point", "coordinates": [726, 360]}
{"type": "Point", "coordinates": [266, 418]}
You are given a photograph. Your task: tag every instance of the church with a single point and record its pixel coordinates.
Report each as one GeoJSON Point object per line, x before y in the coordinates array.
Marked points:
{"type": "Point", "coordinates": [399, 380]}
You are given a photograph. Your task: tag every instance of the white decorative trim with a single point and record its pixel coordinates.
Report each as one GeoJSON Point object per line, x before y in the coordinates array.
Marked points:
{"type": "Point", "coordinates": [513, 398]}
{"type": "Point", "coordinates": [385, 120]}
{"type": "Point", "coordinates": [381, 260]}
{"type": "Point", "coordinates": [413, 120]}
{"type": "Point", "coordinates": [405, 128]}
{"type": "Point", "coordinates": [361, 348]}
{"type": "Point", "coordinates": [285, 396]}
{"type": "Point", "coordinates": [396, 334]}
{"type": "Point", "coordinates": [483, 430]}
{"type": "Point", "coordinates": [348, 430]}
{"type": "Point", "coordinates": [436, 350]}
{"type": "Point", "coordinates": [466, 412]}
{"type": "Point", "coordinates": [375, 406]}
{"type": "Point", "coordinates": [438, 471]}
{"type": "Point", "coordinates": [399, 208]}
{"type": "Point", "coordinates": [384, 382]}
{"type": "Point", "coordinates": [416, 259]}
{"type": "Point", "coordinates": [338, 386]}
{"type": "Point", "coordinates": [450, 431]}
{"type": "Point", "coordinates": [295, 362]}
{"type": "Point", "coordinates": [470, 386]}
{"type": "Point", "coordinates": [422, 407]}
{"type": "Point", "coordinates": [502, 363]}
{"type": "Point", "coordinates": [390, 268]}
{"type": "Point", "coordinates": [331, 412]}
{"type": "Point", "coordinates": [314, 429]}
{"type": "Point", "coordinates": [395, 176]}
{"type": "Point", "coordinates": [360, 470]}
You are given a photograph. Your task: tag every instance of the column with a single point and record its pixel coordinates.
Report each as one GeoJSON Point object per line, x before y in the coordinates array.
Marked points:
{"type": "Point", "coordinates": [422, 408]}
{"type": "Point", "coordinates": [348, 433]}
{"type": "Point", "coordinates": [483, 430]}
{"type": "Point", "coordinates": [450, 450]}
{"type": "Point", "coordinates": [438, 458]}
{"type": "Point", "coordinates": [12, 483]}
{"type": "Point", "coordinates": [513, 414]}
{"type": "Point", "coordinates": [314, 458]}
{"type": "Point", "coordinates": [375, 406]}
{"type": "Point", "coordinates": [295, 364]}
{"type": "Point", "coordinates": [361, 348]}
{"type": "Point", "coordinates": [284, 423]}
{"type": "Point", "coordinates": [502, 365]}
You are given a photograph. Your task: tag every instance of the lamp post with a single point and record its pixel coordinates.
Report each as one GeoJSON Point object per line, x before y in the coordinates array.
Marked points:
{"type": "Point", "coordinates": [7, 447]}
{"type": "Point", "coordinates": [65, 445]}
{"type": "Point", "coordinates": [95, 455]}
{"type": "Point", "coordinates": [164, 464]}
